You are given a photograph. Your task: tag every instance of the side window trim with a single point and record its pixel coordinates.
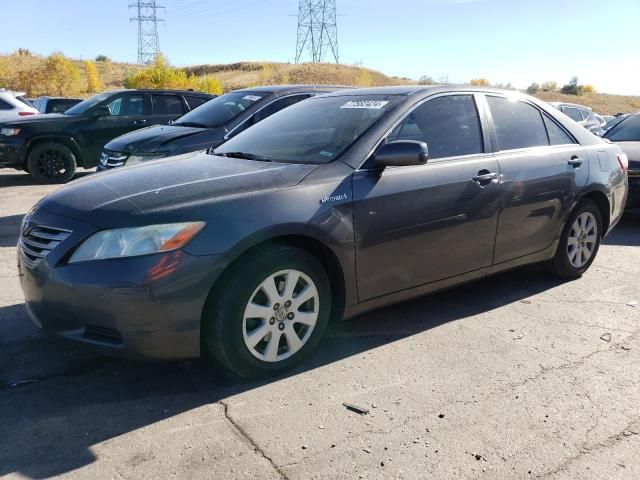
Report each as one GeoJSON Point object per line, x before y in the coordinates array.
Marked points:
{"type": "Point", "coordinates": [479, 109]}
{"type": "Point", "coordinates": [241, 124]}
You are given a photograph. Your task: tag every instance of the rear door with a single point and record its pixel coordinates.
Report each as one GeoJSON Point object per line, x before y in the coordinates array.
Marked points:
{"type": "Point", "coordinates": [419, 224]}
{"type": "Point", "coordinates": [542, 169]}
{"type": "Point", "coordinates": [166, 107]}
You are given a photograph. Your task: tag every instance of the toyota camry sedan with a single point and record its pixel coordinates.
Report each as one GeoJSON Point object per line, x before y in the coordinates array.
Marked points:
{"type": "Point", "coordinates": [340, 204]}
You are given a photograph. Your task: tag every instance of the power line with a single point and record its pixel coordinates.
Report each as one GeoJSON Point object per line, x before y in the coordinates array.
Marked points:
{"type": "Point", "coordinates": [148, 43]}
{"type": "Point", "coordinates": [317, 30]}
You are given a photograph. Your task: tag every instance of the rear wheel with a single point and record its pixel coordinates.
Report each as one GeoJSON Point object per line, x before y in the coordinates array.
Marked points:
{"type": "Point", "coordinates": [269, 314]}
{"type": "Point", "coordinates": [51, 163]}
{"type": "Point", "coordinates": [580, 241]}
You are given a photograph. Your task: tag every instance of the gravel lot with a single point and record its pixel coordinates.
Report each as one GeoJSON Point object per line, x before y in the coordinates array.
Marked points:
{"type": "Point", "coordinates": [516, 376]}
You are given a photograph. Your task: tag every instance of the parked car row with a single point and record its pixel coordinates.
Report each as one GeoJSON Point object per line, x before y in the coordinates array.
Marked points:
{"type": "Point", "coordinates": [333, 206]}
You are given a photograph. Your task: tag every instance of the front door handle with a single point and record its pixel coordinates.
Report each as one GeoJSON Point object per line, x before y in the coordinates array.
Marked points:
{"type": "Point", "coordinates": [484, 177]}
{"type": "Point", "coordinates": [576, 161]}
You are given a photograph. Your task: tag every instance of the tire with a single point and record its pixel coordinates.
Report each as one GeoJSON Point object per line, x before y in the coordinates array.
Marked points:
{"type": "Point", "coordinates": [579, 242]}
{"type": "Point", "coordinates": [51, 163]}
{"type": "Point", "coordinates": [271, 284]}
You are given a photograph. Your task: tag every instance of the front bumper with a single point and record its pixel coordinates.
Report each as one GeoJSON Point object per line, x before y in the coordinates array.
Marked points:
{"type": "Point", "coordinates": [10, 153]}
{"type": "Point", "coordinates": [140, 307]}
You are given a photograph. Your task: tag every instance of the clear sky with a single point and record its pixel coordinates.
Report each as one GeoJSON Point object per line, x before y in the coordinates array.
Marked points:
{"type": "Point", "coordinates": [502, 40]}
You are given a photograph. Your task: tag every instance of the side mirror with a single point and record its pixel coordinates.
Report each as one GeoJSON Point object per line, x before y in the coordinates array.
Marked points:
{"type": "Point", "coordinates": [401, 153]}
{"type": "Point", "coordinates": [102, 111]}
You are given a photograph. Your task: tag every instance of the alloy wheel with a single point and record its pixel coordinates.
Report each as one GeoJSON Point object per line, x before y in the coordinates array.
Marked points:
{"type": "Point", "coordinates": [52, 163]}
{"type": "Point", "coordinates": [280, 315]}
{"type": "Point", "coordinates": [583, 238]}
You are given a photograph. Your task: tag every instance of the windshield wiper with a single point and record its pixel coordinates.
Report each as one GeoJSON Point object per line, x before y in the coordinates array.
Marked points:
{"type": "Point", "coordinates": [190, 124]}
{"type": "Point", "coordinates": [245, 155]}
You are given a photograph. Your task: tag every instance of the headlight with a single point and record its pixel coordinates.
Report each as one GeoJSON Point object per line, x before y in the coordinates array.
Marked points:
{"type": "Point", "coordinates": [132, 242]}
{"type": "Point", "coordinates": [135, 159]}
{"type": "Point", "coordinates": [9, 132]}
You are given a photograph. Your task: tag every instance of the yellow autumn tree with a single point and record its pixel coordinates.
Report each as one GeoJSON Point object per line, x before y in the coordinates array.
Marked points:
{"type": "Point", "coordinates": [93, 79]}
{"type": "Point", "coordinates": [60, 76]}
{"type": "Point", "coordinates": [480, 82]}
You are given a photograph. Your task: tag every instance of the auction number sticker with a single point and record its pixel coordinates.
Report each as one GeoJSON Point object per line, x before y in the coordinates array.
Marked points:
{"type": "Point", "coordinates": [253, 98]}
{"type": "Point", "coordinates": [366, 104]}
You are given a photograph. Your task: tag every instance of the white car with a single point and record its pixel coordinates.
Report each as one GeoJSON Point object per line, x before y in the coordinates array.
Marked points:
{"type": "Point", "coordinates": [13, 104]}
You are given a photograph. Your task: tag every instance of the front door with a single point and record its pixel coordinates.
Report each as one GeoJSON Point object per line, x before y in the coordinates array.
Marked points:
{"type": "Point", "coordinates": [419, 224]}
{"type": "Point", "coordinates": [542, 168]}
{"type": "Point", "coordinates": [129, 111]}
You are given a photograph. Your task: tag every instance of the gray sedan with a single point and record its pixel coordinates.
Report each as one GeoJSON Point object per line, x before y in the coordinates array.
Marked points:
{"type": "Point", "coordinates": [337, 205]}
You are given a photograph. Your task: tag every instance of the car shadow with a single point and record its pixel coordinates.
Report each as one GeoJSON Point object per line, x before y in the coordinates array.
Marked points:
{"type": "Point", "coordinates": [23, 179]}
{"type": "Point", "coordinates": [53, 417]}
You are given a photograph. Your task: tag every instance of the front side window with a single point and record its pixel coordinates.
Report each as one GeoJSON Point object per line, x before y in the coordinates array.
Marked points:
{"type": "Point", "coordinates": [315, 131]}
{"type": "Point", "coordinates": [167, 105]}
{"type": "Point", "coordinates": [626, 131]}
{"type": "Point", "coordinates": [517, 124]}
{"type": "Point", "coordinates": [127, 105]}
{"type": "Point", "coordinates": [572, 113]}
{"type": "Point", "coordinates": [449, 125]}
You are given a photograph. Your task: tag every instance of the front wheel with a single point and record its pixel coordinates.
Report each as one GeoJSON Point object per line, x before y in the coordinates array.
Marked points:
{"type": "Point", "coordinates": [51, 163]}
{"type": "Point", "coordinates": [269, 313]}
{"type": "Point", "coordinates": [580, 241]}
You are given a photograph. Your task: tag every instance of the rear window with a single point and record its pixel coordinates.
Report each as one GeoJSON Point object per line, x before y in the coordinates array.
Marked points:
{"type": "Point", "coordinates": [518, 124]}
{"type": "Point", "coordinates": [60, 105]}
{"type": "Point", "coordinates": [25, 101]}
{"type": "Point", "coordinates": [626, 131]}
{"type": "Point", "coordinates": [572, 113]}
{"type": "Point", "coordinates": [5, 106]}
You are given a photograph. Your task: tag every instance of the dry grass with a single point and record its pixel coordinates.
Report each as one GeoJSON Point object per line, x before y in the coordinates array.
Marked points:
{"type": "Point", "coordinates": [601, 103]}
{"type": "Point", "coordinates": [250, 74]}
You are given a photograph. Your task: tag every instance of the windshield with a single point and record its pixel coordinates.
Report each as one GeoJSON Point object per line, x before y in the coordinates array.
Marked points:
{"type": "Point", "coordinates": [220, 110]}
{"type": "Point", "coordinates": [627, 130]}
{"type": "Point", "coordinates": [82, 107]}
{"type": "Point", "coordinates": [315, 131]}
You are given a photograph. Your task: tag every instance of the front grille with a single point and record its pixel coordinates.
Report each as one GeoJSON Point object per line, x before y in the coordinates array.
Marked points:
{"type": "Point", "coordinates": [111, 159]}
{"type": "Point", "coordinates": [38, 241]}
{"type": "Point", "coordinates": [102, 334]}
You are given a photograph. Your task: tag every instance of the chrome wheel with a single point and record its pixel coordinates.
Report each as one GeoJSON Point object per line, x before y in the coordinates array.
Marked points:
{"type": "Point", "coordinates": [582, 240]}
{"type": "Point", "coordinates": [280, 316]}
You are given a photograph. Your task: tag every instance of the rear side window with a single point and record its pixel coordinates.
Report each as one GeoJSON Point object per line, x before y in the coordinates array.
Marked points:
{"type": "Point", "coordinates": [194, 102]}
{"type": "Point", "coordinates": [449, 125]}
{"type": "Point", "coordinates": [572, 113]}
{"type": "Point", "coordinates": [5, 106]}
{"type": "Point", "coordinates": [167, 105]}
{"type": "Point", "coordinates": [557, 136]}
{"type": "Point", "coordinates": [59, 106]}
{"type": "Point", "coordinates": [518, 124]}
{"type": "Point", "coordinates": [585, 113]}
{"type": "Point", "coordinates": [127, 105]}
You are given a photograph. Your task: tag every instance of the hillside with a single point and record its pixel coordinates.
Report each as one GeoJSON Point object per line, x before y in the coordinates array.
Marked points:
{"type": "Point", "coordinates": [18, 72]}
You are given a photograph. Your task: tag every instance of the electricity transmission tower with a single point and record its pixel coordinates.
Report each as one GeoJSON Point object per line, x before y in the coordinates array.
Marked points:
{"type": "Point", "coordinates": [317, 30]}
{"type": "Point", "coordinates": [148, 44]}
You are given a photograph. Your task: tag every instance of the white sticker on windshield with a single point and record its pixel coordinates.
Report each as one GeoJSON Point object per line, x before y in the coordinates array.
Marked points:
{"type": "Point", "coordinates": [253, 98]}
{"type": "Point", "coordinates": [368, 104]}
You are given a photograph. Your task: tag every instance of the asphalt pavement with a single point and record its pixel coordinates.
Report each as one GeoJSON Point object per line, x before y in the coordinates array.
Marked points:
{"type": "Point", "coordinates": [516, 376]}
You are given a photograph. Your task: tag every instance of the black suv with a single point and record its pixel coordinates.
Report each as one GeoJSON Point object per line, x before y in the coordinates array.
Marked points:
{"type": "Point", "coordinates": [207, 126]}
{"type": "Point", "coordinates": [50, 146]}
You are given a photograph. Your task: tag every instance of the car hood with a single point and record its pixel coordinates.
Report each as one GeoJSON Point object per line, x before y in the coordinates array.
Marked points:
{"type": "Point", "coordinates": [40, 119]}
{"type": "Point", "coordinates": [160, 138]}
{"type": "Point", "coordinates": [174, 189]}
{"type": "Point", "coordinates": [632, 149]}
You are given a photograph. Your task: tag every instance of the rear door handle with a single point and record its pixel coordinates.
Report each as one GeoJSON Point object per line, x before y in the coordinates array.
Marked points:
{"type": "Point", "coordinates": [485, 176]}
{"type": "Point", "coordinates": [138, 122]}
{"type": "Point", "coordinates": [576, 161]}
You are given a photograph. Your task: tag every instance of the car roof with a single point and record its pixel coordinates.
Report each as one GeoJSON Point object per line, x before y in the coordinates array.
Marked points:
{"type": "Point", "coordinates": [58, 98]}
{"type": "Point", "coordinates": [158, 90]}
{"type": "Point", "coordinates": [406, 90]}
{"type": "Point", "coordinates": [577, 105]}
{"type": "Point", "coordinates": [293, 88]}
